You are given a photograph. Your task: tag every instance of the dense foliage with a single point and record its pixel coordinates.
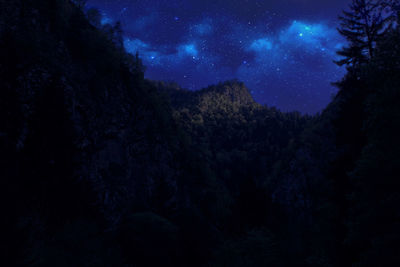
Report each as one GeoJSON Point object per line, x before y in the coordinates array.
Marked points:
{"type": "Point", "coordinates": [101, 167]}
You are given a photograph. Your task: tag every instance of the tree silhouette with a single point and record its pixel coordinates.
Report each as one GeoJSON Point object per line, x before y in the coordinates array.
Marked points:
{"type": "Point", "coordinates": [80, 3]}
{"type": "Point", "coordinates": [94, 17]}
{"type": "Point", "coordinates": [362, 26]}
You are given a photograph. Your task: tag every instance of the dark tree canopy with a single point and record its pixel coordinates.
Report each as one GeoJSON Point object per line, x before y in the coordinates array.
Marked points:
{"type": "Point", "coordinates": [362, 26]}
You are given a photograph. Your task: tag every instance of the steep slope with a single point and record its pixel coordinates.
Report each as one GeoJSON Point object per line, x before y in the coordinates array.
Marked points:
{"type": "Point", "coordinates": [84, 140]}
{"type": "Point", "coordinates": [339, 181]}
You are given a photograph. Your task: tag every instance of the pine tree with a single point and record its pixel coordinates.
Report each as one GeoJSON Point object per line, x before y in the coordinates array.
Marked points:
{"type": "Point", "coordinates": [80, 3]}
{"type": "Point", "coordinates": [395, 6]}
{"type": "Point", "coordinates": [94, 17]}
{"type": "Point", "coordinates": [362, 27]}
{"type": "Point", "coordinates": [118, 34]}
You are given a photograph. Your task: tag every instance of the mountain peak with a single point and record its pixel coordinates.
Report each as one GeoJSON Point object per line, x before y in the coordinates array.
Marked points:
{"type": "Point", "coordinates": [233, 94]}
{"type": "Point", "coordinates": [232, 91]}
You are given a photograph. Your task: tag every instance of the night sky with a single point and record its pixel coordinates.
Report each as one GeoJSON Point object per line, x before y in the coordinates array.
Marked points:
{"type": "Point", "coordinates": [281, 49]}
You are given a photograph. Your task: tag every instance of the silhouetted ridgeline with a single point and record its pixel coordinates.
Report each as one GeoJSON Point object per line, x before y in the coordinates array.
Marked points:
{"type": "Point", "coordinates": [100, 167]}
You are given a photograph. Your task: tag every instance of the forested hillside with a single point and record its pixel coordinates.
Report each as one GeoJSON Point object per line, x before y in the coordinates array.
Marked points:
{"type": "Point", "coordinates": [101, 167]}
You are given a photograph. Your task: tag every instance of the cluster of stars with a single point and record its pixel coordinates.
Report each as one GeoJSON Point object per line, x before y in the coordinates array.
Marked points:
{"type": "Point", "coordinates": [285, 62]}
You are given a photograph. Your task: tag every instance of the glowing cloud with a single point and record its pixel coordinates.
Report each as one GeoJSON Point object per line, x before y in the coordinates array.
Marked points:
{"type": "Point", "coordinates": [297, 39]}
{"type": "Point", "coordinates": [260, 45]}
{"type": "Point", "coordinates": [188, 49]}
{"type": "Point", "coordinates": [105, 20]}
{"type": "Point", "coordinates": [313, 37]}
{"type": "Point", "coordinates": [204, 28]}
{"type": "Point", "coordinates": [135, 45]}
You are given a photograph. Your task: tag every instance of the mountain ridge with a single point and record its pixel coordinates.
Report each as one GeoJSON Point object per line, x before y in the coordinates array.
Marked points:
{"type": "Point", "coordinates": [232, 93]}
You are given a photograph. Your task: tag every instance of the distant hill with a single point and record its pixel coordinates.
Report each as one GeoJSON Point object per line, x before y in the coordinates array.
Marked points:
{"type": "Point", "coordinates": [230, 94]}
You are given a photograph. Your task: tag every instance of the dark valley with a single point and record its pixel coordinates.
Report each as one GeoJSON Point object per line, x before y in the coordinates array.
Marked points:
{"type": "Point", "coordinates": [102, 167]}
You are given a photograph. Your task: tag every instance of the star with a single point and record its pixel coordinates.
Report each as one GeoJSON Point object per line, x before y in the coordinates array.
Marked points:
{"type": "Point", "coordinates": [254, 43]}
